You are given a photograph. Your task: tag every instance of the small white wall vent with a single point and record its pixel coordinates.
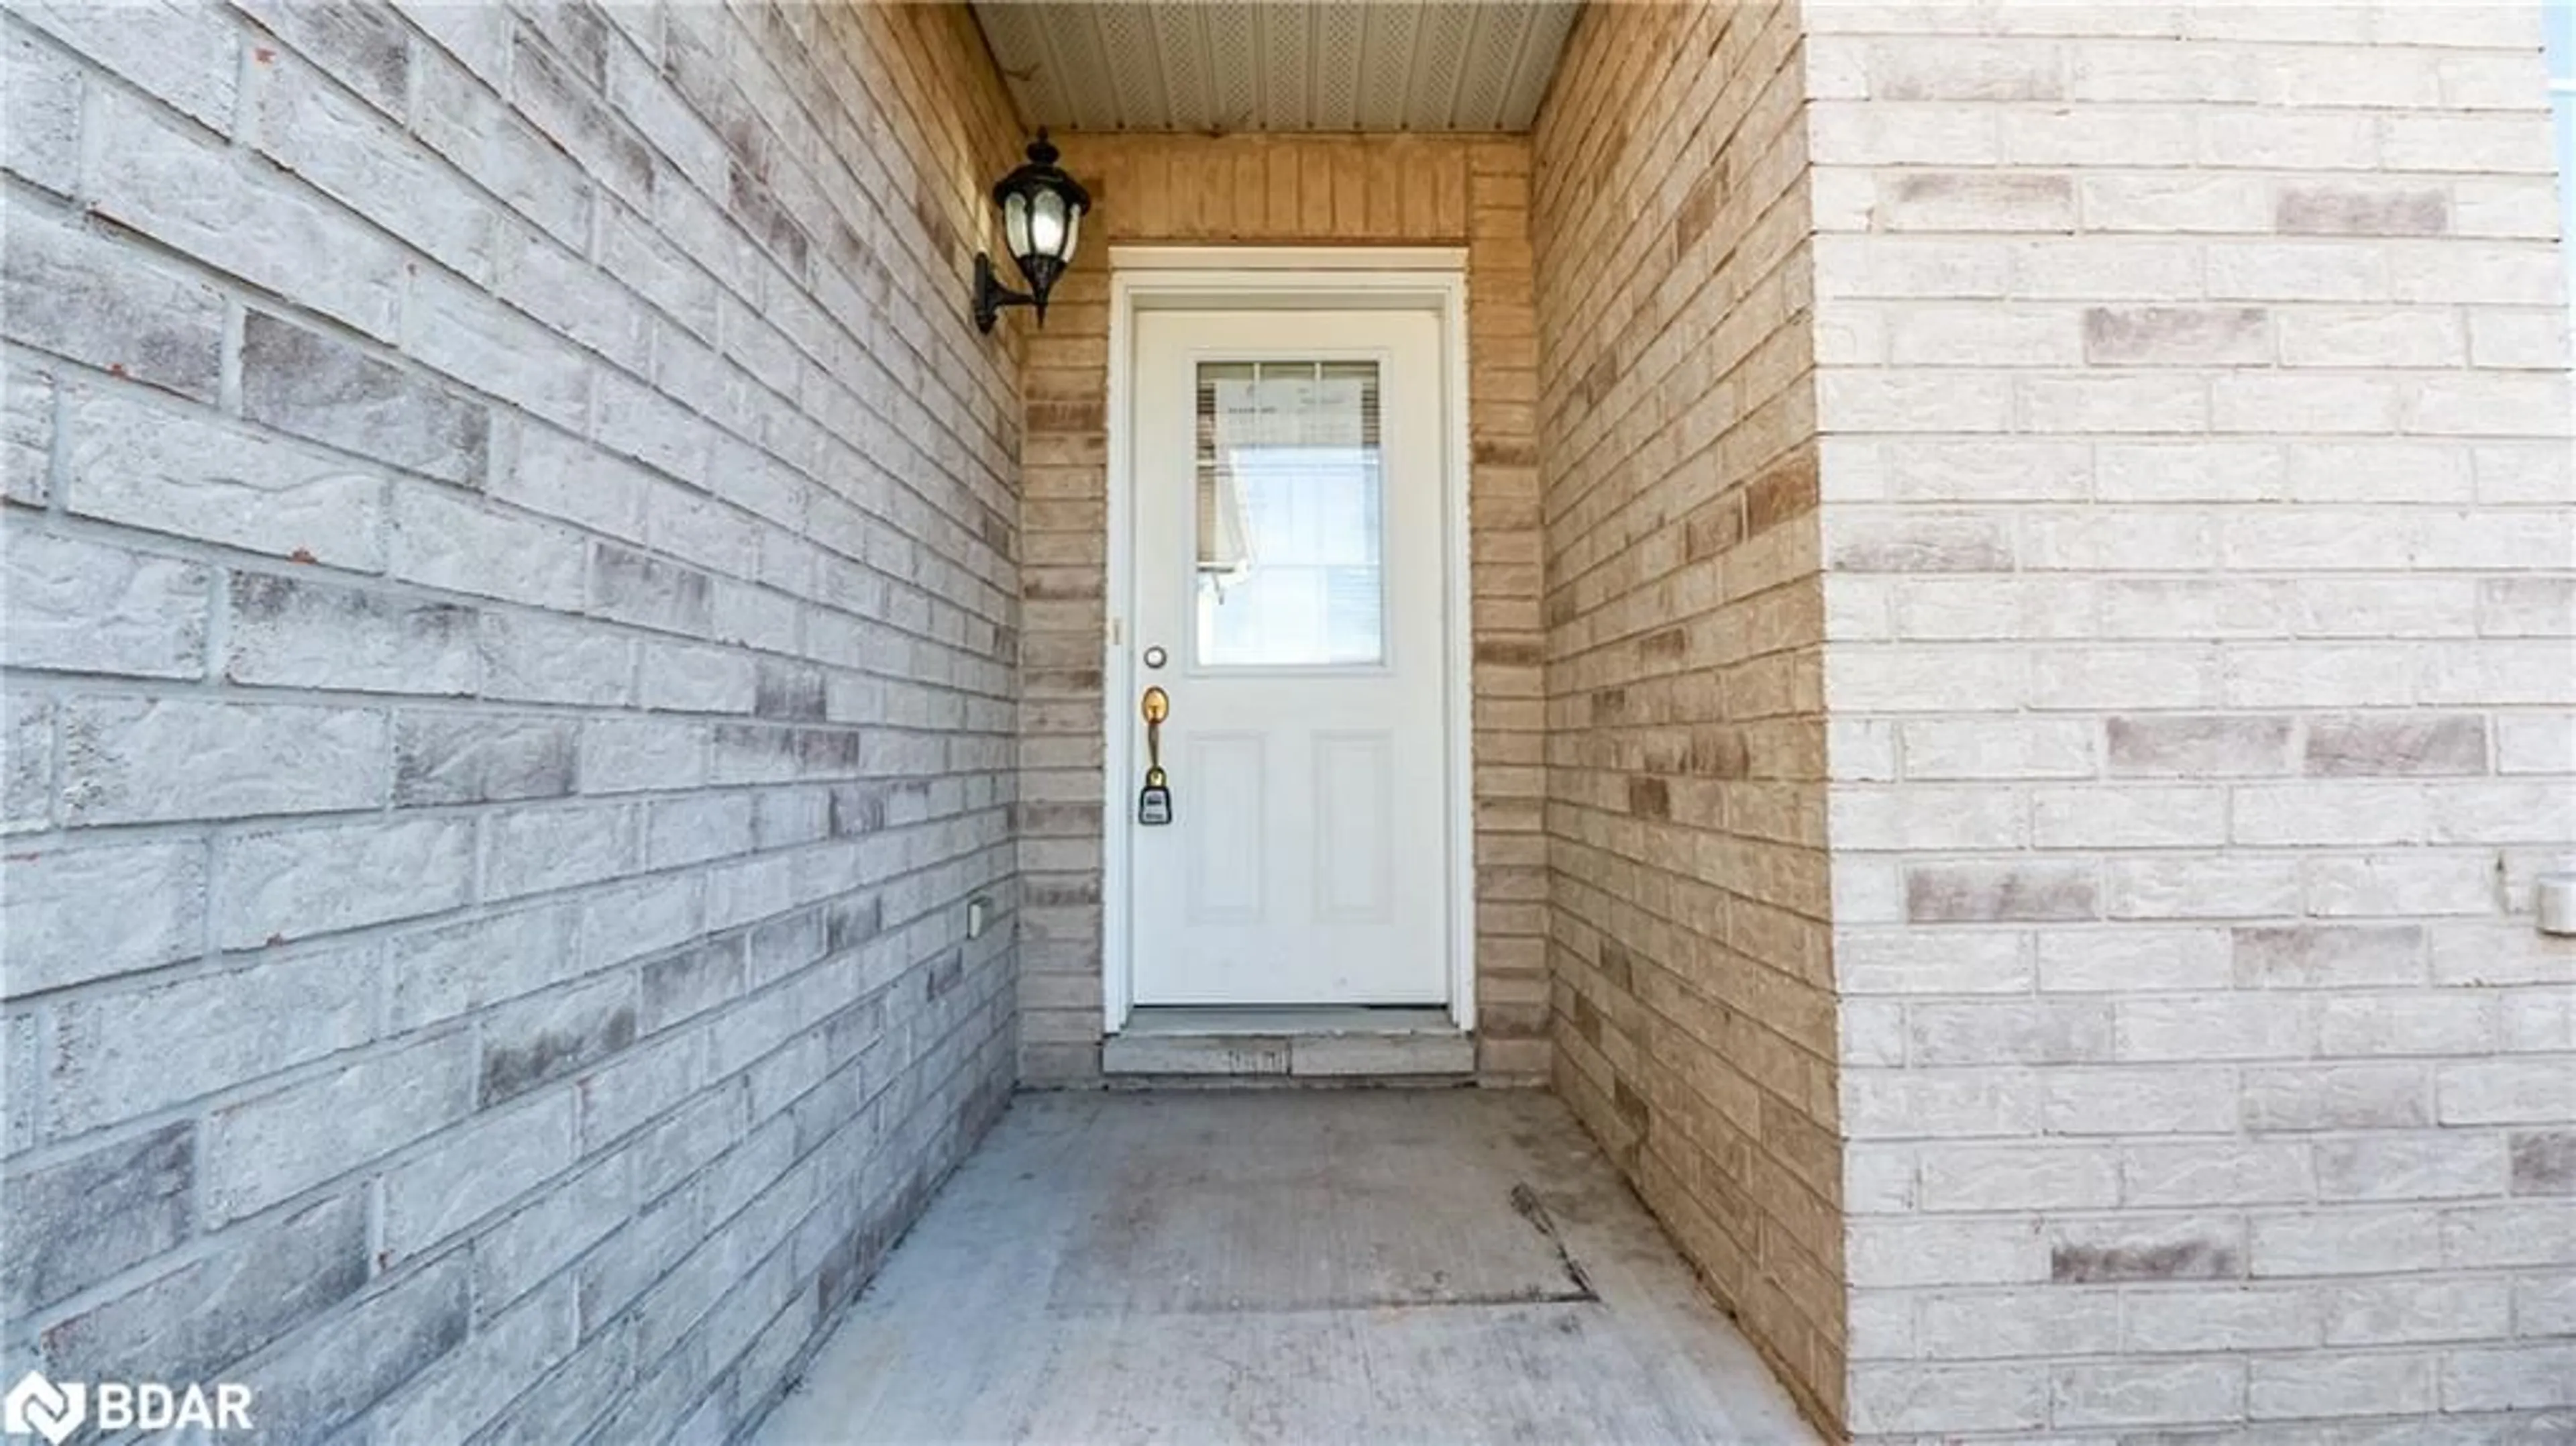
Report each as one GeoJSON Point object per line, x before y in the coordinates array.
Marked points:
{"type": "Point", "coordinates": [2555, 901]}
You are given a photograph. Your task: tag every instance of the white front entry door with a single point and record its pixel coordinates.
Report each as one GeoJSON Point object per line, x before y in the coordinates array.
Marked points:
{"type": "Point", "coordinates": [1287, 558]}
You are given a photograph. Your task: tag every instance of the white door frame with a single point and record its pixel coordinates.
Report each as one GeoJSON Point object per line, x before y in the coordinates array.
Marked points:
{"type": "Point", "coordinates": [1196, 278]}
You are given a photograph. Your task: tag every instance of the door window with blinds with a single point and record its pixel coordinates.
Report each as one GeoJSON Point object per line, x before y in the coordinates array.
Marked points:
{"type": "Point", "coordinates": [1291, 516]}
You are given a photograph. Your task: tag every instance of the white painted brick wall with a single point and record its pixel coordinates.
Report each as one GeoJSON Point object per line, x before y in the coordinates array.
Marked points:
{"type": "Point", "coordinates": [2200, 721]}
{"type": "Point", "coordinates": [511, 623]}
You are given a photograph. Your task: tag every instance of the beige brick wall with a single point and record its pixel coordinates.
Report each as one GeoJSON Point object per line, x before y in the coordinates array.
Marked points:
{"type": "Point", "coordinates": [2197, 516]}
{"type": "Point", "coordinates": [1694, 1014]}
{"type": "Point", "coordinates": [1279, 190]}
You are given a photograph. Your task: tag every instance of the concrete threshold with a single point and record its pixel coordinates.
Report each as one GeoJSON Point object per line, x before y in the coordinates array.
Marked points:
{"type": "Point", "coordinates": [1351, 1043]}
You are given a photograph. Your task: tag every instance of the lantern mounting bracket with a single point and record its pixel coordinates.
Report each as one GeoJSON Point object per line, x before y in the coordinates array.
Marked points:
{"type": "Point", "coordinates": [991, 295]}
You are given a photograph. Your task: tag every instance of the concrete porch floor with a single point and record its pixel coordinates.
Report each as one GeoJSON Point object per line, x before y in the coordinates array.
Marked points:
{"type": "Point", "coordinates": [1286, 1266]}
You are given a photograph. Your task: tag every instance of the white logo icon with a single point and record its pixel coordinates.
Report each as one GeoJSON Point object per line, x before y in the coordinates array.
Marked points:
{"type": "Point", "coordinates": [38, 1405]}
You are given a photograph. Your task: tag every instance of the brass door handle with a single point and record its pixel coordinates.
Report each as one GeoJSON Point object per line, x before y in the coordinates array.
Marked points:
{"type": "Point", "coordinates": [1154, 805]}
{"type": "Point", "coordinates": [1157, 707]}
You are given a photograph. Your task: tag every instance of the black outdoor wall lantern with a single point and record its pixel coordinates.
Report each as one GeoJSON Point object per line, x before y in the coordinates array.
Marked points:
{"type": "Point", "coordinates": [1041, 220]}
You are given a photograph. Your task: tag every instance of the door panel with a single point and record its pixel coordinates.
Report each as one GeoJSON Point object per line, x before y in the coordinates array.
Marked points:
{"type": "Point", "coordinates": [1289, 565]}
{"type": "Point", "coordinates": [1354, 786]}
{"type": "Point", "coordinates": [1228, 858]}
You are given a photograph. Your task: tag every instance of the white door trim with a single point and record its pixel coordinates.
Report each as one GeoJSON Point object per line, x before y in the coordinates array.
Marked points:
{"type": "Point", "coordinates": [1341, 277]}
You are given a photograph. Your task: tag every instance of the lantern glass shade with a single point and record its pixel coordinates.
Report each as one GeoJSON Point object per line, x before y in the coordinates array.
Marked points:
{"type": "Point", "coordinates": [1015, 224]}
{"type": "Point", "coordinates": [1039, 225]}
{"type": "Point", "coordinates": [1047, 226]}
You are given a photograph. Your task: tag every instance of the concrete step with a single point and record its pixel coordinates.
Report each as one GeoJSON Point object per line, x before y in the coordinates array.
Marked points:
{"type": "Point", "coordinates": [1345, 1044]}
